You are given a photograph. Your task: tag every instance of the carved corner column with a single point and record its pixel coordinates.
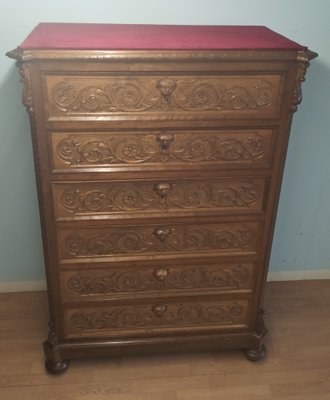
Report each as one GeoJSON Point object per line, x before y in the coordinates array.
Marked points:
{"type": "Point", "coordinates": [54, 363]}
{"type": "Point", "coordinates": [258, 350]}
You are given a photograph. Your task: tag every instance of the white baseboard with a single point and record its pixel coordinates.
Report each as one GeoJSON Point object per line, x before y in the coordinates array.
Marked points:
{"type": "Point", "coordinates": [36, 286]}
{"type": "Point", "coordinates": [298, 275]}
{"type": "Point", "coordinates": [24, 286]}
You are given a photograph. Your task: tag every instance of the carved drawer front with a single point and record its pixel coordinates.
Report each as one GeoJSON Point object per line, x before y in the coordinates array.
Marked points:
{"type": "Point", "coordinates": [165, 97]}
{"type": "Point", "coordinates": [77, 199]}
{"type": "Point", "coordinates": [158, 316]}
{"type": "Point", "coordinates": [96, 283]}
{"type": "Point", "coordinates": [159, 240]}
{"type": "Point", "coordinates": [162, 149]}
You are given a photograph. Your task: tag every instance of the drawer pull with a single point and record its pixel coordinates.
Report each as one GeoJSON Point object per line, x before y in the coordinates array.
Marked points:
{"type": "Point", "coordinates": [159, 309]}
{"type": "Point", "coordinates": [165, 139]}
{"type": "Point", "coordinates": [166, 87]}
{"type": "Point", "coordinates": [162, 233]}
{"type": "Point", "coordinates": [161, 273]}
{"type": "Point", "coordinates": [163, 189]}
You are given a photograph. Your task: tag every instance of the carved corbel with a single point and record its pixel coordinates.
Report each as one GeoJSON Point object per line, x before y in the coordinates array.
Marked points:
{"type": "Point", "coordinates": [303, 63]}
{"type": "Point", "coordinates": [27, 98]}
{"type": "Point", "coordinates": [25, 74]}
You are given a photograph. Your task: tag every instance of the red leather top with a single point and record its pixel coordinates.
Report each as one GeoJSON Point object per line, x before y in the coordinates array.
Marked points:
{"type": "Point", "coordinates": [155, 37]}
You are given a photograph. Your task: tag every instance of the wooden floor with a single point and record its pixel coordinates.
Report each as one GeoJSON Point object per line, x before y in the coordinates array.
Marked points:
{"type": "Point", "coordinates": [297, 366]}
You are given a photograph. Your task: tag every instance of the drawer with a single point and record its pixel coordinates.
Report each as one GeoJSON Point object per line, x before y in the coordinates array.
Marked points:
{"type": "Point", "coordinates": [156, 317]}
{"type": "Point", "coordinates": [115, 281]}
{"type": "Point", "coordinates": [162, 150]}
{"type": "Point", "coordinates": [169, 97]}
{"type": "Point", "coordinates": [157, 241]}
{"type": "Point", "coordinates": [76, 200]}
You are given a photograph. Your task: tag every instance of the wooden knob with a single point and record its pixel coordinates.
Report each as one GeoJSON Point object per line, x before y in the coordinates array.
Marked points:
{"type": "Point", "coordinates": [162, 233]}
{"type": "Point", "coordinates": [159, 309]}
{"type": "Point", "coordinates": [163, 188]}
{"type": "Point", "coordinates": [161, 273]}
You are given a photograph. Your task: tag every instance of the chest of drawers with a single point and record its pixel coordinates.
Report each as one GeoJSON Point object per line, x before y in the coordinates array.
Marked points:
{"type": "Point", "coordinates": [159, 154]}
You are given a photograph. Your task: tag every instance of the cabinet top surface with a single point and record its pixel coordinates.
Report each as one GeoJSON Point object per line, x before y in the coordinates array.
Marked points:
{"type": "Point", "coordinates": [66, 36]}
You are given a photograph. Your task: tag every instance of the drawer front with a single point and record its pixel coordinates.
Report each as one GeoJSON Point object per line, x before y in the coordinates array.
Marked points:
{"type": "Point", "coordinates": [160, 316]}
{"type": "Point", "coordinates": [165, 97]}
{"type": "Point", "coordinates": [159, 240]}
{"type": "Point", "coordinates": [83, 199]}
{"type": "Point", "coordinates": [162, 150]}
{"type": "Point", "coordinates": [166, 279]}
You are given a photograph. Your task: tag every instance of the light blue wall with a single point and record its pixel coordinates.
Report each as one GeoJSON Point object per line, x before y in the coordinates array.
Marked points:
{"type": "Point", "coordinates": [302, 237]}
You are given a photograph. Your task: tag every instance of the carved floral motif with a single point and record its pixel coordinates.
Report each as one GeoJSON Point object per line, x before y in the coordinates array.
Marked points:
{"type": "Point", "coordinates": [132, 95]}
{"type": "Point", "coordinates": [137, 280]}
{"type": "Point", "coordinates": [144, 239]}
{"type": "Point", "coordinates": [151, 196]}
{"type": "Point", "coordinates": [158, 316]}
{"type": "Point", "coordinates": [163, 147]}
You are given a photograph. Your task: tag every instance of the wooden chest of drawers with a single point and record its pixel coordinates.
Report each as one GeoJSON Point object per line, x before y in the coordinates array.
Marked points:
{"type": "Point", "coordinates": [158, 165]}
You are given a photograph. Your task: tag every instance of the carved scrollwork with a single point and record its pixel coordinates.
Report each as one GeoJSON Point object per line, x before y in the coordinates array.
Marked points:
{"type": "Point", "coordinates": [133, 95]}
{"type": "Point", "coordinates": [147, 196]}
{"type": "Point", "coordinates": [171, 278]}
{"type": "Point", "coordinates": [204, 149]}
{"type": "Point", "coordinates": [93, 201]}
{"type": "Point", "coordinates": [124, 150]}
{"type": "Point", "coordinates": [124, 96]}
{"type": "Point", "coordinates": [192, 95]}
{"type": "Point", "coordinates": [159, 316]}
{"type": "Point", "coordinates": [164, 147]}
{"type": "Point", "coordinates": [146, 240]}
{"type": "Point", "coordinates": [64, 94]}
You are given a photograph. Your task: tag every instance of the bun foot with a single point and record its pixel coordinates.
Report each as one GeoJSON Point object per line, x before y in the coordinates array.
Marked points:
{"type": "Point", "coordinates": [256, 354]}
{"type": "Point", "coordinates": [56, 368]}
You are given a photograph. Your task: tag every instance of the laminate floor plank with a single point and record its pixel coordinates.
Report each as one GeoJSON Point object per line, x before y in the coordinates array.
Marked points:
{"type": "Point", "coordinates": [256, 392]}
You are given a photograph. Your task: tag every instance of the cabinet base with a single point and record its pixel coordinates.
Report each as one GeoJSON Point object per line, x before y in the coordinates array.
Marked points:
{"type": "Point", "coordinates": [58, 354]}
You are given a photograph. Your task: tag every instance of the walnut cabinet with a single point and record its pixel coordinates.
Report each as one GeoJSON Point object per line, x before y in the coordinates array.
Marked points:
{"type": "Point", "coordinates": [159, 154]}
